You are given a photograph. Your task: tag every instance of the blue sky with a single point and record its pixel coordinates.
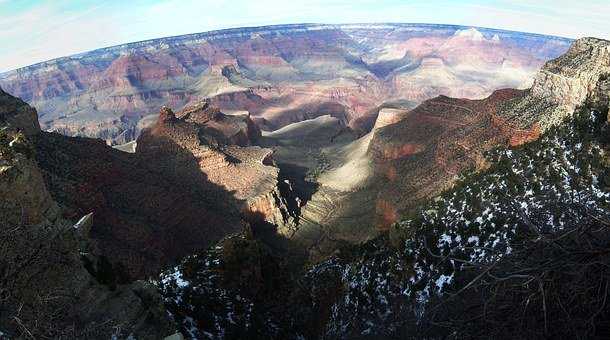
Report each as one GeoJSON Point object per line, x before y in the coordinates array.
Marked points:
{"type": "Point", "coordinates": [33, 31]}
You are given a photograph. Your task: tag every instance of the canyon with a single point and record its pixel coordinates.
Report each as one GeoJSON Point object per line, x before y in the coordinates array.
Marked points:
{"type": "Point", "coordinates": [510, 184]}
{"type": "Point", "coordinates": [320, 94]}
{"type": "Point", "coordinates": [279, 74]}
{"type": "Point", "coordinates": [267, 149]}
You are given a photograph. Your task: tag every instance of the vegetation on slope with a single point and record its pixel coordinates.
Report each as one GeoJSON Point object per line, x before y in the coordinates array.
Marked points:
{"type": "Point", "coordinates": [519, 250]}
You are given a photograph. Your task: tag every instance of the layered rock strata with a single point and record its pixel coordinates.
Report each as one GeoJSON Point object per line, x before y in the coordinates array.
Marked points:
{"type": "Point", "coordinates": [211, 141]}
{"type": "Point", "coordinates": [280, 74]}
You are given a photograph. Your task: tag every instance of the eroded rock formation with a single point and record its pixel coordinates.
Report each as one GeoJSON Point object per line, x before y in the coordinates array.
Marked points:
{"type": "Point", "coordinates": [441, 138]}
{"type": "Point", "coordinates": [280, 74]}
{"type": "Point", "coordinates": [564, 84]}
{"type": "Point", "coordinates": [210, 142]}
{"type": "Point", "coordinates": [422, 154]}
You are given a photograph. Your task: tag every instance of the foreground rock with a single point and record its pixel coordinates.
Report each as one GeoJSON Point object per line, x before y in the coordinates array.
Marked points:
{"type": "Point", "coordinates": [54, 284]}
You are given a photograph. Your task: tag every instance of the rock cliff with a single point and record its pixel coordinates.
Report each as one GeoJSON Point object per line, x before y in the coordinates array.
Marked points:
{"type": "Point", "coordinates": [423, 153]}
{"type": "Point", "coordinates": [146, 214]}
{"type": "Point", "coordinates": [19, 115]}
{"type": "Point", "coordinates": [54, 284]}
{"type": "Point", "coordinates": [25, 198]}
{"type": "Point", "coordinates": [212, 142]}
{"type": "Point", "coordinates": [565, 83]}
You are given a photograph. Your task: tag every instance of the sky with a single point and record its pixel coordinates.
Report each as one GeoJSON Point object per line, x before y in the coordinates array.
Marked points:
{"type": "Point", "coordinates": [32, 31]}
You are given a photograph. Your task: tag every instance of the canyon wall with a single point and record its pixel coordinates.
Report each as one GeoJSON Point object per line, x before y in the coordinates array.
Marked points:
{"type": "Point", "coordinates": [56, 283]}
{"type": "Point", "coordinates": [280, 74]}
{"type": "Point", "coordinates": [201, 141]}
{"type": "Point", "coordinates": [565, 83]}
{"type": "Point", "coordinates": [423, 153]}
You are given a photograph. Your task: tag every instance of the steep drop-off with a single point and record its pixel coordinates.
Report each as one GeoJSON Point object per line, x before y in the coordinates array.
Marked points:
{"type": "Point", "coordinates": [54, 283]}
{"type": "Point", "coordinates": [516, 250]}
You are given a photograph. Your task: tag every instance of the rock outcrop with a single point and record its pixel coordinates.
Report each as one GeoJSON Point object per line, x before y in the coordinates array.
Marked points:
{"type": "Point", "coordinates": [564, 84]}
{"type": "Point", "coordinates": [25, 198]}
{"type": "Point", "coordinates": [189, 184]}
{"type": "Point", "coordinates": [19, 115]}
{"type": "Point", "coordinates": [53, 284]}
{"type": "Point", "coordinates": [146, 213]}
{"type": "Point", "coordinates": [219, 128]}
{"type": "Point", "coordinates": [24, 195]}
{"type": "Point", "coordinates": [202, 141]}
{"type": "Point", "coordinates": [424, 152]}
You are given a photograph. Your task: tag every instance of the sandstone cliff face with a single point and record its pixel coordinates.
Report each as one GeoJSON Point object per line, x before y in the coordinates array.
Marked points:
{"type": "Point", "coordinates": [201, 141]}
{"type": "Point", "coordinates": [424, 151]}
{"type": "Point", "coordinates": [564, 84]}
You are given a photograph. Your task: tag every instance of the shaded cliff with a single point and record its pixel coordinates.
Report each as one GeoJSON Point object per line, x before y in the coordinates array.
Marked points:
{"type": "Point", "coordinates": [53, 283]}
{"type": "Point", "coordinates": [423, 153]}
{"type": "Point", "coordinates": [146, 215]}
{"type": "Point", "coordinates": [212, 142]}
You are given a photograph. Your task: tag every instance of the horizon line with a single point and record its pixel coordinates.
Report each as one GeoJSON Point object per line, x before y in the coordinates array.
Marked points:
{"type": "Point", "coordinates": [216, 32]}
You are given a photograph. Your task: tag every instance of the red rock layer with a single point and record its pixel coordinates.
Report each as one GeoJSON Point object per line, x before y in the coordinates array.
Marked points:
{"type": "Point", "coordinates": [421, 154]}
{"type": "Point", "coordinates": [298, 73]}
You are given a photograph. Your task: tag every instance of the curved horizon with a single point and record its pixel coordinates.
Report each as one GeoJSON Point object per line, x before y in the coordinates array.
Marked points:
{"type": "Point", "coordinates": [251, 29]}
{"type": "Point", "coordinates": [34, 31]}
